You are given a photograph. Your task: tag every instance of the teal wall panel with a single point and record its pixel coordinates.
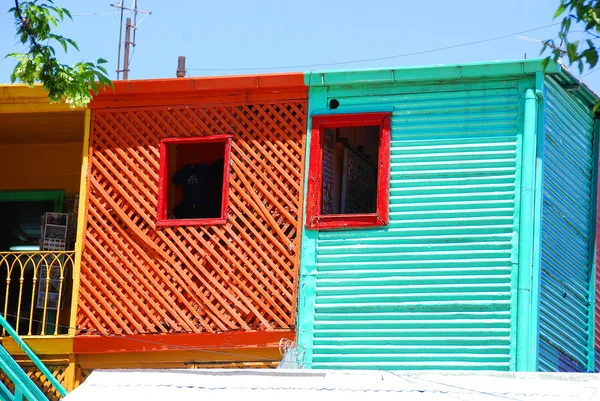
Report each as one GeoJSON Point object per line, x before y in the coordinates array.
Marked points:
{"type": "Point", "coordinates": [567, 233]}
{"type": "Point", "coordinates": [436, 289]}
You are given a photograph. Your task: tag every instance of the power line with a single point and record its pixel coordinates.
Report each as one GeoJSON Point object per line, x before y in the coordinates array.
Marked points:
{"type": "Point", "coordinates": [378, 58]}
{"type": "Point", "coordinates": [94, 14]}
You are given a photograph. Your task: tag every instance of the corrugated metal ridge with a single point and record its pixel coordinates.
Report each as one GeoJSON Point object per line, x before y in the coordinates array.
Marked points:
{"type": "Point", "coordinates": [566, 241]}
{"type": "Point", "coordinates": [583, 92]}
{"type": "Point", "coordinates": [435, 288]}
{"type": "Point", "coordinates": [430, 73]}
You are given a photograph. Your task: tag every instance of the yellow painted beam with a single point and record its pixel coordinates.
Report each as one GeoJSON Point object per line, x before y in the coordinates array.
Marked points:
{"type": "Point", "coordinates": [81, 218]}
{"type": "Point", "coordinates": [41, 345]}
{"type": "Point", "coordinates": [33, 108]}
{"type": "Point", "coordinates": [71, 375]}
{"type": "Point", "coordinates": [12, 91]}
{"type": "Point", "coordinates": [23, 99]}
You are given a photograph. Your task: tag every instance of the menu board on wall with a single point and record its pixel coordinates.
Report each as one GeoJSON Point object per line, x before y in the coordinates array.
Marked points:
{"type": "Point", "coordinates": [327, 201]}
{"type": "Point", "coordinates": [52, 284]}
{"type": "Point", "coordinates": [56, 230]}
{"type": "Point", "coordinates": [359, 184]}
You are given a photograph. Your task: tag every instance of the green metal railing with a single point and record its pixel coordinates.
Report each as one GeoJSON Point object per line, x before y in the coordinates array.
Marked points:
{"type": "Point", "coordinates": [25, 388]}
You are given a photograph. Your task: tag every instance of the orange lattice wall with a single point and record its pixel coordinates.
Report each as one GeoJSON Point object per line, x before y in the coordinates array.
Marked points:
{"type": "Point", "coordinates": [138, 278]}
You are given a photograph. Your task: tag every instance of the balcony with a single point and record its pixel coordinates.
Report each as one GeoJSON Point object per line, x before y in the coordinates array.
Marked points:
{"type": "Point", "coordinates": [41, 161]}
{"type": "Point", "coordinates": [35, 291]}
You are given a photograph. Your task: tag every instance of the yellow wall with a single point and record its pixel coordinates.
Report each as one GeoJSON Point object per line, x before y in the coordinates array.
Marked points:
{"type": "Point", "coordinates": [40, 166]}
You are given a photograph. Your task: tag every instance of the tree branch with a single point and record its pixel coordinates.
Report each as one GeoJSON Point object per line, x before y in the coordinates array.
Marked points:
{"type": "Point", "coordinates": [24, 25]}
{"type": "Point", "coordinates": [37, 63]}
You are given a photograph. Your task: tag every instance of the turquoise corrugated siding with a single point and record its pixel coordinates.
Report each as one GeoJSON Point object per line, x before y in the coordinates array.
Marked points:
{"type": "Point", "coordinates": [566, 233]}
{"type": "Point", "coordinates": [435, 289]}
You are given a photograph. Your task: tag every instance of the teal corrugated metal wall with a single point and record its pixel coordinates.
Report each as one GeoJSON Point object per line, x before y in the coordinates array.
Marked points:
{"type": "Point", "coordinates": [567, 242]}
{"type": "Point", "coordinates": [436, 288]}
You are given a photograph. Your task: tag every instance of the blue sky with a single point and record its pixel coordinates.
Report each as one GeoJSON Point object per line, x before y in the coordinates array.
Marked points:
{"type": "Point", "coordinates": [222, 35]}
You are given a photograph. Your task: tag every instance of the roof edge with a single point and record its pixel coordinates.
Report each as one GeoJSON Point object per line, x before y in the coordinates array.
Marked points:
{"type": "Point", "coordinates": [19, 98]}
{"type": "Point", "coordinates": [430, 73]}
{"type": "Point", "coordinates": [199, 84]}
{"type": "Point", "coordinates": [576, 86]}
{"type": "Point", "coordinates": [236, 88]}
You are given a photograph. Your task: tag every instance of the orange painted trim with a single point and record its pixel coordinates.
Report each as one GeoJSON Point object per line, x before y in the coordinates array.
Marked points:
{"type": "Point", "coordinates": [212, 99]}
{"type": "Point", "coordinates": [144, 92]}
{"type": "Point", "coordinates": [300, 222]}
{"type": "Point", "coordinates": [178, 342]}
{"type": "Point", "coordinates": [213, 358]}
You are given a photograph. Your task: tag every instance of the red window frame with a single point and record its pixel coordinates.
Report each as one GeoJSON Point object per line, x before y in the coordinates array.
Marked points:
{"type": "Point", "coordinates": [163, 181]}
{"type": "Point", "coordinates": [314, 218]}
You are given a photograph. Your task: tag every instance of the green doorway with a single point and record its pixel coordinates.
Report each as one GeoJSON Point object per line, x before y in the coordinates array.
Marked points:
{"type": "Point", "coordinates": [21, 214]}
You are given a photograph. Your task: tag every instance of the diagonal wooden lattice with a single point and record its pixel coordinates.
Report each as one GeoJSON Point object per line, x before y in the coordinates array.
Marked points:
{"type": "Point", "coordinates": [82, 374]}
{"type": "Point", "coordinates": [59, 371]}
{"type": "Point", "coordinates": [139, 278]}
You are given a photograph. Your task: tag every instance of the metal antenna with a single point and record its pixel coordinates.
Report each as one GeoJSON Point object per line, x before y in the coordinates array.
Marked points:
{"type": "Point", "coordinates": [120, 37]}
{"type": "Point", "coordinates": [135, 13]}
{"type": "Point", "coordinates": [128, 42]}
{"type": "Point", "coordinates": [561, 50]}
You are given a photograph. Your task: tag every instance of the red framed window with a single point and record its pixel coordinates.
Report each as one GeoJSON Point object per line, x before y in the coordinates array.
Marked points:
{"type": "Point", "coordinates": [349, 171]}
{"type": "Point", "coordinates": [193, 180]}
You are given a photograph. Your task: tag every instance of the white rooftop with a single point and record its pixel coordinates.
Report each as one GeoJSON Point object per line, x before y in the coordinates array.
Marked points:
{"type": "Point", "coordinates": [317, 385]}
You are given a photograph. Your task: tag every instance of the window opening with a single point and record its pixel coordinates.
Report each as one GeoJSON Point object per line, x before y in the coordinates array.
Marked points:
{"type": "Point", "coordinates": [193, 172]}
{"type": "Point", "coordinates": [350, 158]}
{"type": "Point", "coordinates": [349, 171]}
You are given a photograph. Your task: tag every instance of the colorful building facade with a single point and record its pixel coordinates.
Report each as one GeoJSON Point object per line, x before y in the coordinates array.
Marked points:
{"type": "Point", "coordinates": [414, 218]}
{"type": "Point", "coordinates": [187, 225]}
{"type": "Point", "coordinates": [162, 267]}
{"type": "Point", "coordinates": [483, 256]}
{"type": "Point", "coordinates": [42, 148]}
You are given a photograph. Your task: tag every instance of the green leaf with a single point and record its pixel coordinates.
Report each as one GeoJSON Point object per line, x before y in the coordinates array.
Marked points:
{"type": "Point", "coordinates": [591, 56]}
{"type": "Point", "coordinates": [72, 43]}
{"type": "Point", "coordinates": [572, 52]}
{"type": "Point", "coordinates": [561, 9]}
{"type": "Point", "coordinates": [567, 24]}
{"type": "Point", "coordinates": [59, 11]}
{"type": "Point", "coordinates": [545, 63]}
{"type": "Point", "coordinates": [590, 24]}
{"type": "Point", "coordinates": [38, 61]}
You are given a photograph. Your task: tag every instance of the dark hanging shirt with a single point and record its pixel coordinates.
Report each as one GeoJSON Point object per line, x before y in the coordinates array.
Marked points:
{"type": "Point", "coordinates": [193, 179]}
